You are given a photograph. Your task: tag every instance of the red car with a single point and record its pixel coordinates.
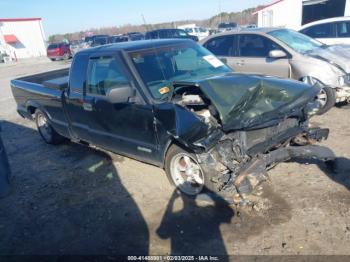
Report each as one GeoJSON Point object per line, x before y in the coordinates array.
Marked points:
{"type": "Point", "coordinates": [59, 51]}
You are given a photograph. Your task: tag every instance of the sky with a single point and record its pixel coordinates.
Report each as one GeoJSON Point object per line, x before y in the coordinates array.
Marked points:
{"type": "Point", "coordinates": [67, 16]}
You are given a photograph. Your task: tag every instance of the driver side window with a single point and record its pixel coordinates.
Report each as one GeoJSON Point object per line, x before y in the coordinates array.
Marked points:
{"type": "Point", "coordinates": [103, 75]}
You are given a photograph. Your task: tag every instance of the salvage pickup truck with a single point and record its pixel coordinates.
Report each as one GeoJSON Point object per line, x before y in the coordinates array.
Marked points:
{"type": "Point", "coordinates": [173, 104]}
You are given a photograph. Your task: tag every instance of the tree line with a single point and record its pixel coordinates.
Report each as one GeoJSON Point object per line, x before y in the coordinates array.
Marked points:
{"type": "Point", "coordinates": [241, 18]}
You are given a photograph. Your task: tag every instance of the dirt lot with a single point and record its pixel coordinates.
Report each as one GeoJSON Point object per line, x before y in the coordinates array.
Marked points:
{"type": "Point", "coordinates": [71, 199]}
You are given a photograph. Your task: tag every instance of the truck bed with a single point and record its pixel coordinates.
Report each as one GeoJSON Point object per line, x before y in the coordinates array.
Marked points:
{"type": "Point", "coordinates": [40, 90]}
{"type": "Point", "coordinates": [46, 76]}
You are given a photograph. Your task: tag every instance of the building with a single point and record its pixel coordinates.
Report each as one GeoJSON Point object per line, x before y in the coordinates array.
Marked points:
{"type": "Point", "coordinates": [295, 13]}
{"type": "Point", "coordinates": [22, 37]}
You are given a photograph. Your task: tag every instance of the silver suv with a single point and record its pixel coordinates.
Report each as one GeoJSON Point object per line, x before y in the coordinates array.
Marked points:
{"type": "Point", "coordinates": [288, 54]}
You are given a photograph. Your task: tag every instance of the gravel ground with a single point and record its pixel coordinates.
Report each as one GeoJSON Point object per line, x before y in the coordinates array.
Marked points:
{"type": "Point", "coordinates": [71, 199]}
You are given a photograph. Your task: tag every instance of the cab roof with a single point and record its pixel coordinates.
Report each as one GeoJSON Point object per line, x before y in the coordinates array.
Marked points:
{"type": "Point", "coordinates": [135, 45]}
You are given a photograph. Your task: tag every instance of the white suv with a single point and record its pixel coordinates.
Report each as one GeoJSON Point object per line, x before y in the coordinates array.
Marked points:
{"type": "Point", "coordinates": [330, 31]}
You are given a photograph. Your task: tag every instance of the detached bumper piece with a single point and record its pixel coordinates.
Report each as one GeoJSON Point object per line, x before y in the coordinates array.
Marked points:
{"type": "Point", "coordinates": [255, 171]}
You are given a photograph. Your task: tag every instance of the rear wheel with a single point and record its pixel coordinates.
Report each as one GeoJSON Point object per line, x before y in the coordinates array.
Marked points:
{"type": "Point", "coordinates": [48, 134]}
{"type": "Point", "coordinates": [183, 171]}
{"type": "Point", "coordinates": [66, 56]}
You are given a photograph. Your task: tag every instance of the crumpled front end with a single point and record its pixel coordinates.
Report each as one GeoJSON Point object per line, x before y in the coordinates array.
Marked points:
{"type": "Point", "coordinates": [238, 126]}
{"type": "Point", "coordinates": [239, 161]}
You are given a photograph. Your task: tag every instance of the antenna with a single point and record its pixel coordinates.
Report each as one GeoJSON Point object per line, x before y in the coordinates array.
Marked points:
{"type": "Point", "coordinates": [145, 23]}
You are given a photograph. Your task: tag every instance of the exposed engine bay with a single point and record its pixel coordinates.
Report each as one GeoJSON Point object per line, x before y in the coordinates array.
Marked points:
{"type": "Point", "coordinates": [193, 99]}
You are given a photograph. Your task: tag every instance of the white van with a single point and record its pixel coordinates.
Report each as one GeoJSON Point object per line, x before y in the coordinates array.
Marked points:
{"type": "Point", "coordinates": [331, 31]}
{"type": "Point", "coordinates": [192, 29]}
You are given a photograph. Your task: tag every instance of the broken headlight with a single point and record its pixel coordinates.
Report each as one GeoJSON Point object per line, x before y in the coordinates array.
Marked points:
{"type": "Point", "coordinates": [344, 80]}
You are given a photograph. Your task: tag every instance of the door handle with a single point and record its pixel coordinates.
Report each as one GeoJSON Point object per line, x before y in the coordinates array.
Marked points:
{"type": "Point", "coordinates": [240, 63]}
{"type": "Point", "coordinates": [87, 106]}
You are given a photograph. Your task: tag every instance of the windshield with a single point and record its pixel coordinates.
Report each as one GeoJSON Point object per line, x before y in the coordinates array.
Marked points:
{"type": "Point", "coordinates": [52, 46]}
{"type": "Point", "coordinates": [160, 67]}
{"type": "Point", "coordinates": [297, 41]}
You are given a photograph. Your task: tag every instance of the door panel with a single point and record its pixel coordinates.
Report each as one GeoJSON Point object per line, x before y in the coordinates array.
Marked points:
{"type": "Point", "coordinates": [266, 66]}
{"type": "Point", "coordinates": [77, 117]}
{"type": "Point", "coordinates": [253, 57]}
{"type": "Point", "coordinates": [125, 127]}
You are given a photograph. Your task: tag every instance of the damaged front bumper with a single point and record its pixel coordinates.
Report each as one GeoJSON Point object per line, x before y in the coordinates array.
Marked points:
{"type": "Point", "coordinates": [255, 172]}
{"type": "Point", "coordinates": [233, 170]}
{"type": "Point", "coordinates": [343, 94]}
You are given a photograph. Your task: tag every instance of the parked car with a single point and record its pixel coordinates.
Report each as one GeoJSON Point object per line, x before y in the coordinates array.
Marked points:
{"type": "Point", "coordinates": [223, 27]}
{"type": "Point", "coordinates": [197, 31]}
{"type": "Point", "coordinates": [133, 36]}
{"type": "Point", "coordinates": [330, 31]}
{"type": "Point", "coordinates": [59, 51]}
{"type": "Point", "coordinates": [173, 104]}
{"type": "Point", "coordinates": [118, 39]}
{"type": "Point", "coordinates": [288, 54]}
{"type": "Point", "coordinates": [169, 33]}
{"type": "Point", "coordinates": [97, 40]}
{"type": "Point", "coordinates": [5, 171]}
{"type": "Point", "coordinates": [251, 26]}
{"type": "Point", "coordinates": [77, 45]}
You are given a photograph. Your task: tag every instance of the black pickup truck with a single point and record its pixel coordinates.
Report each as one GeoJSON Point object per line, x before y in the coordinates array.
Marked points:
{"type": "Point", "coordinates": [173, 104]}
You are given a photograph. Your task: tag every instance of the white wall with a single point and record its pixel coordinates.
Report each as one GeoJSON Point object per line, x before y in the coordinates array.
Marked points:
{"type": "Point", "coordinates": [347, 8]}
{"type": "Point", "coordinates": [30, 35]}
{"type": "Point", "coordinates": [287, 13]}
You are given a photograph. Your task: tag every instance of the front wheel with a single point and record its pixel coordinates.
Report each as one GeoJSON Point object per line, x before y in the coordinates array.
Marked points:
{"type": "Point", "coordinates": [326, 99]}
{"type": "Point", "coordinates": [184, 172]}
{"type": "Point", "coordinates": [46, 131]}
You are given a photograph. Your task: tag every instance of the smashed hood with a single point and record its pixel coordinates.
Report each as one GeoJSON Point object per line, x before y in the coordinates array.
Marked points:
{"type": "Point", "coordinates": [337, 55]}
{"type": "Point", "coordinates": [252, 101]}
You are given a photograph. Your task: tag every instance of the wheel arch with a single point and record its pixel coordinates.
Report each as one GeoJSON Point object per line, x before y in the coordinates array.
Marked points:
{"type": "Point", "coordinates": [173, 142]}
{"type": "Point", "coordinates": [302, 79]}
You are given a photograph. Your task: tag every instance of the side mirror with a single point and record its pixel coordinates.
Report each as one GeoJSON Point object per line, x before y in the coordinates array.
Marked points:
{"type": "Point", "coordinates": [120, 94]}
{"type": "Point", "coordinates": [277, 54]}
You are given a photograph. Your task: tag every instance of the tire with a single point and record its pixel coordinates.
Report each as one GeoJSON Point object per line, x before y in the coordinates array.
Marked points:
{"type": "Point", "coordinates": [327, 99]}
{"type": "Point", "coordinates": [66, 56]}
{"type": "Point", "coordinates": [178, 158]}
{"type": "Point", "coordinates": [53, 59]}
{"type": "Point", "coordinates": [46, 131]}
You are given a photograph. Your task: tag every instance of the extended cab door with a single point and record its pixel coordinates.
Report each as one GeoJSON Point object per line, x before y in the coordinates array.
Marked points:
{"type": "Point", "coordinates": [126, 127]}
{"type": "Point", "coordinates": [73, 99]}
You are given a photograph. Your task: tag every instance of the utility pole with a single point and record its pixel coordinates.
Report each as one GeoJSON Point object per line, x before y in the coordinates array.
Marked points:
{"type": "Point", "coordinates": [220, 12]}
